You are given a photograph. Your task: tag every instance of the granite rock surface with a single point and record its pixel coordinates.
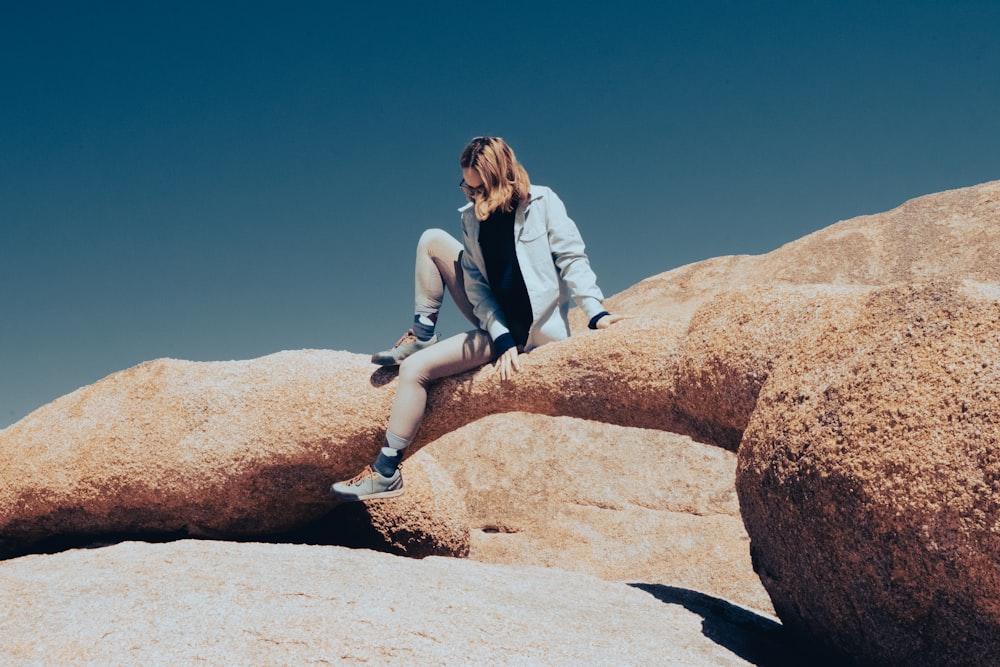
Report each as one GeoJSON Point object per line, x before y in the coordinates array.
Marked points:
{"type": "Point", "coordinates": [224, 603]}
{"type": "Point", "coordinates": [869, 478]}
{"type": "Point", "coordinates": [844, 384]}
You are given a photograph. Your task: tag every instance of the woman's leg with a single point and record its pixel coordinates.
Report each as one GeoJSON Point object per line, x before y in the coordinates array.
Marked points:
{"type": "Point", "coordinates": [437, 265]}
{"type": "Point", "coordinates": [449, 357]}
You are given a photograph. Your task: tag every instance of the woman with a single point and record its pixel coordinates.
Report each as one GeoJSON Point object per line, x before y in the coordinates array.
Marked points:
{"type": "Point", "coordinates": [520, 261]}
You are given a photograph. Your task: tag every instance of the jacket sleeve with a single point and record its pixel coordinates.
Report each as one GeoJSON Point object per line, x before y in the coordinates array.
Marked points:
{"type": "Point", "coordinates": [570, 259]}
{"type": "Point", "coordinates": [484, 305]}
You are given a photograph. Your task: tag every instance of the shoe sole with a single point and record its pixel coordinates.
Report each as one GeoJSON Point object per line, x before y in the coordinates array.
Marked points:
{"type": "Point", "coordinates": [371, 496]}
{"type": "Point", "coordinates": [381, 359]}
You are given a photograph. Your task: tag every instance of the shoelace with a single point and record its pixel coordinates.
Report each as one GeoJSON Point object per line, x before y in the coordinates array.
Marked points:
{"type": "Point", "coordinates": [360, 478]}
{"type": "Point", "coordinates": [408, 334]}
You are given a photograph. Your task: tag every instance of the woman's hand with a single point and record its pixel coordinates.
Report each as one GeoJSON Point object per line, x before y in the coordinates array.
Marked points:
{"type": "Point", "coordinates": [507, 364]}
{"type": "Point", "coordinates": [608, 320]}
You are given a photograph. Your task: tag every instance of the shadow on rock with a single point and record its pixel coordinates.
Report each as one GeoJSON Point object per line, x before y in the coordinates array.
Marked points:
{"type": "Point", "coordinates": [346, 525]}
{"type": "Point", "coordinates": [351, 525]}
{"type": "Point", "coordinates": [757, 639]}
{"type": "Point", "coordinates": [384, 376]}
{"type": "Point", "coordinates": [60, 543]}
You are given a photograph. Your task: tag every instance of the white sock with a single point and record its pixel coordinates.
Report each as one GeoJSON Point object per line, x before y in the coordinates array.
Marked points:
{"type": "Point", "coordinates": [394, 443]}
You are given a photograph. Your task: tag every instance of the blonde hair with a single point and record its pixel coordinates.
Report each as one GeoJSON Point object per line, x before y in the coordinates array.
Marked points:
{"type": "Point", "coordinates": [505, 181]}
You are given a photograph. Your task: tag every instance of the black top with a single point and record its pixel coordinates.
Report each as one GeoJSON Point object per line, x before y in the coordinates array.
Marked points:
{"type": "Point", "coordinates": [496, 239]}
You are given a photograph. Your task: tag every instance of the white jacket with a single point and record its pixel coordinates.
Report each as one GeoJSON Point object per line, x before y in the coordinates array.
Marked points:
{"type": "Point", "coordinates": [555, 267]}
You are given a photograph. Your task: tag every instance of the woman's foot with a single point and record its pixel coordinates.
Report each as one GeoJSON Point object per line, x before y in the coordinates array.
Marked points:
{"type": "Point", "coordinates": [403, 348]}
{"type": "Point", "coordinates": [368, 485]}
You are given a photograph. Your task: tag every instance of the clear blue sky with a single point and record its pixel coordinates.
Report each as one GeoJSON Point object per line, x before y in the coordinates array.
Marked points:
{"type": "Point", "coordinates": [223, 180]}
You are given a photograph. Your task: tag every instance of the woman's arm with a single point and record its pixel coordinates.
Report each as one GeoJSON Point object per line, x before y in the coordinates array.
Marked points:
{"type": "Point", "coordinates": [477, 288]}
{"type": "Point", "coordinates": [568, 253]}
{"type": "Point", "coordinates": [490, 316]}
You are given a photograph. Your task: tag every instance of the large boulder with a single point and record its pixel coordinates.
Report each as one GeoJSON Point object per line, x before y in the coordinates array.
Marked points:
{"type": "Point", "coordinates": [622, 503]}
{"type": "Point", "coordinates": [220, 449]}
{"type": "Point", "coordinates": [249, 448]}
{"type": "Point", "coordinates": [220, 603]}
{"type": "Point", "coordinates": [948, 235]}
{"type": "Point", "coordinates": [243, 448]}
{"type": "Point", "coordinates": [730, 347]}
{"type": "Point", "coordinates": [869, 478]}
{"type": "Point", "coordinates": [431, 520]}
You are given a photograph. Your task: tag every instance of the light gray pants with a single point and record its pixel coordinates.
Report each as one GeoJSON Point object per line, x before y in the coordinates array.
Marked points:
{"type": "Point", "coordinates": [437, 266]}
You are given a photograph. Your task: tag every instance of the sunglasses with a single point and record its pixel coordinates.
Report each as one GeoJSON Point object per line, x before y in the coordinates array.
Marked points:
{"type": "Point", "coordinates": [471, 191]}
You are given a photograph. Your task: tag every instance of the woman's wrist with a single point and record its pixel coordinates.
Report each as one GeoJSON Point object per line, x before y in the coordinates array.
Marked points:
{"type": "Point", "coordinates": [597, 318]}
{"type": "Point", "coordinates": [503, 343]}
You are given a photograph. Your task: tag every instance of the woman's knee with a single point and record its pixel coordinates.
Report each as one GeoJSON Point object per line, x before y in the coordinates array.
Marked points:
{"type": "Point", "coordinates": [412, 372]}
{"type": "Point", "coordinates": [437, 243]}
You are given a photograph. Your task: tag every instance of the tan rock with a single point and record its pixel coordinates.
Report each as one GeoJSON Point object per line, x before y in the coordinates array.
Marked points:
{"type": "Point", "coordinates": [731, 344]}
{"type": "Point", "coordinates": [624, 504]}
{"type": "Point", "coordinates": [619, 375]}
{"type": "Point", "coordinates": [674, 295]}
{"type": "Point", "coordinates": [217, 449]}
{"type": "Point", "coordinates": [950, 235]}
{"type": "Point", "coordinates": [219, 603]}
{"type": "Point", "coordinates": [430, 519]}
{"type": "Point", "coordinates": [868, 478]}
{"type": "Point", "coordinates": [249, 448]}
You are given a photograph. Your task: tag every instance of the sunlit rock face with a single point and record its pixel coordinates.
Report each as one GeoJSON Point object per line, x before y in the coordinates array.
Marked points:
{"type": "Point", "coordinates": [844, 385]}
{"type": "Point", "coordinates": [869, 478]}
{"type": "Point", "coordinates": [219, 449]}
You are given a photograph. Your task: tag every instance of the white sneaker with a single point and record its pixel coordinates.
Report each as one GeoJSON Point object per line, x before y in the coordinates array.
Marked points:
{"type": "Point", "coordinates": [403, 348]}
{"type": "Point", "coordinates": [368, 485]}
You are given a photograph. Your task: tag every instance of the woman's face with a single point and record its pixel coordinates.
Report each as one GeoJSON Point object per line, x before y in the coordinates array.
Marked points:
{"type": "Point", "coordinates": [473, 181]}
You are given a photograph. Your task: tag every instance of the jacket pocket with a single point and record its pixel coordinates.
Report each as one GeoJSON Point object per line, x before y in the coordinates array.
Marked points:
{"type": "Point", "coordinates": [532, 230]}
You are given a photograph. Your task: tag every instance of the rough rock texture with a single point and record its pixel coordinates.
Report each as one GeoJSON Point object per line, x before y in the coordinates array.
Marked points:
{"type": "Point", "coordinates": [433, 521]}
{"type": "Point", "coordinates": [826, 347]}
{"type": "Point", "coordinates": [869, 478]}
{"type": "Point", "coordinates": [624, 504]}
{"type": "Point", "coordinates": [217, 603]}
{"type": "Point", "coordinates": [220, 447]}
{"type": "Point", "coordinates": [947, 235]}
{"type": "Point", "coordinates": [731, 344]}
{"type": "Point", "coordinates": [213, 449]}
{"type": "Point", "coordinates": [250, 447]}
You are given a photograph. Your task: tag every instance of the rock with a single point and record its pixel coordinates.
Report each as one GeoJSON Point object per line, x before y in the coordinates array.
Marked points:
{"type": "Point", "coordinates": [624, 504]}
{"type": "Point", "coordinates": [869, 478]}
{"type": "Point", "coordinates": [242, 448]}
{"type": "Point", "coordinates": [224, 449]}
{"type": "Point", "coordinates": [674, 295]}
{"type": "Point", "coordinates": [430, 519]}
{"type": "Point", "coordinates": [950, 235]}
{"type": "Point", "coordinates": [619, 375]}
{"type": "Point", "coordinates": [219, 603]}
{"type": "Point", "coordinates": [730, 349]}
{"type": "Point", "coordinates": [730, 346]}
